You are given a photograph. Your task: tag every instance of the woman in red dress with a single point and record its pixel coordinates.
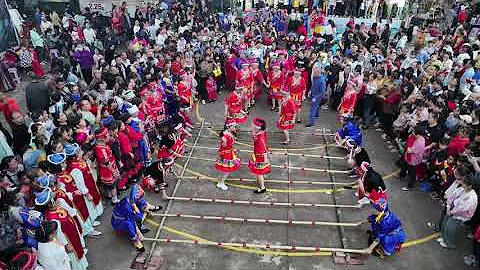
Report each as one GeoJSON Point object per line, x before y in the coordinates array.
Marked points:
{"type": "Point", "coordinates": [297, 87]}
{"type": "Point", "coordinates": [287, 115]}
{"type": "Point", "coordinates": [234, 107]}
{"type": "Point", "coordinates": [259, 80]}
{"type": "Point", "coordinates": [259, 163]}
{"type": "Point", "coordinates": [349, 99]}
{"type": "Point", "coordinates": [276, 80]}
{"type": "Point", "coordinates": [228, 161]}
{"type": "Point", "coordinates": [244, 78]}
{"type": "Point", "coordinates": [108, 173]}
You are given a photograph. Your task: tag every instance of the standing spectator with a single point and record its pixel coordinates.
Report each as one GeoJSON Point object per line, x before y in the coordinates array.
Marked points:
{"type": "Point", "coordinates": [414, 153]}
{"type": "Point", "coordinates": [461, 203]}
{"type": "Point", "coordinates": [90, 36]}
{"type": "Point", "coordinates": [22, 137]}
{"type": "Point", "coordinates": [37, 43]}
{"type": "Point", "coordinates": [317, 92]}
{"type": "Point", "coordinates": [37, 96]}
{"type": "Point", "coordinates": [85, 59]}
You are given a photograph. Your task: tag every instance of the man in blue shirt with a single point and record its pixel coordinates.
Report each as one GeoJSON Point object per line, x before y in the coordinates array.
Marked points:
{"type": "Point", "coordinates": [317, 92]}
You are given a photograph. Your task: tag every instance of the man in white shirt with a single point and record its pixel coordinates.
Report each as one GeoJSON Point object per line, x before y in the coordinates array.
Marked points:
{"type": "Point", "coordinates": [89, 34]}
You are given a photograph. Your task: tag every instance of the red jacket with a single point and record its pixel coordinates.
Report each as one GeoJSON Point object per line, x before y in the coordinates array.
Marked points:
{"type": "Point", "coordinates": [123, 140]}
{"type": "Point", "coordinates": [457, 145]}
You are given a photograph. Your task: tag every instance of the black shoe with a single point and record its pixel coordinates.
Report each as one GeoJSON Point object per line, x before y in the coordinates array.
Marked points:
{"type": "Point", "coordinates": [260, 191]}
{"type": "Point", "coordinates": [144, 231]}
{"type": "Point", "coordinates": [299, 121]}
{"type": "Point", "coordinates": [309, 125]}
{"type": "Point", "coordinates": [141, 250]}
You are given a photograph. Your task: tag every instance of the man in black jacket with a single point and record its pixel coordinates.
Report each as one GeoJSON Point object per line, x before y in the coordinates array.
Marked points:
{"type": "Point", "coordinates": [37, 96]}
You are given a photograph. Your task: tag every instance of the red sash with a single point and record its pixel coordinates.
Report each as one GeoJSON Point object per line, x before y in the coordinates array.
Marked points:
{"type": "Point", "coordinates": [69, 229]}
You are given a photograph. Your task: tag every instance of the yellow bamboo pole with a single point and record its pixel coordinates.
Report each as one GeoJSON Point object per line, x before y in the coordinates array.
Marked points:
{"type": "Point", "coordinates": [259, 220]}
{"type": "Point", "coordinates": [242, 202]}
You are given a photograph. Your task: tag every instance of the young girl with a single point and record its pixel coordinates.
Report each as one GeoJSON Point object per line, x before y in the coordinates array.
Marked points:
{"type": "Point", "coordinates": [287, 115]}
{"type": "Point", "coordinates": [211, 86]}
{"type": "Point", "coordinates": [228, 161]}
{"type": "Point", "coordinates": [259, 163]}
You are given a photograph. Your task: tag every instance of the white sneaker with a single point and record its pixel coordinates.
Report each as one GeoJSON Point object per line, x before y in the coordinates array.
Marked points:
{"type": "Point", "coordinates": [222, 186]}
{"type": "Point", "coordinates": [364, 200]}
{"type": "Point", "coordinates": [96, 223]}
{"type": "Point", "coordinates": [405, 188]}
{"type": "Point", "coordinates": [94, 233]}
{"type": "Point", "coordinates": [439, 240]}
{"type": "Point", "coordinates": [443, 244]}
{"type": "Point", "coordinates": [325, 107]}
{"type": "Point", "coordinates": [203, 102]}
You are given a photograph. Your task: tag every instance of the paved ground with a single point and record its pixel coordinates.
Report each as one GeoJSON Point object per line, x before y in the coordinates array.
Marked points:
{"type": "Point", "coordinates": [414, 208]}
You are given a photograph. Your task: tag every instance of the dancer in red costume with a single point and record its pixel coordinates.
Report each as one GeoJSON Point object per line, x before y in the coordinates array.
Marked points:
{"type": "Point", "coordinates": [228, 161]}
{"type": "Point", "coordinates": [259, 163]}
{"type": "Point", "coordinates": [234, 107]}
{"type": "Point", "coordinates": [184, 91]}
{"type": "Point", "coordinates": [230, 72]}
{"type": "Point", "coordinates": [297, 87]}
{"type": "Point", "coordinates": [211, 86]}
{"type": "Point", "coordinates": [244, 79]}
{"type": "Point", "coordinates": [276, 79]}
{"type": "Point", "coordinates": [108, 172]}
{"type": "Point", "coordinates": [287, 115]}
{"type": "Point", "coordinates": [349, 99]}
{"type": "Point", "coordinates": [259, 80]}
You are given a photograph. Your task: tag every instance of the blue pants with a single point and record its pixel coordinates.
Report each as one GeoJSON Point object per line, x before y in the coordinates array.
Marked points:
{"type": "Point", "coordinates": [314, 110]}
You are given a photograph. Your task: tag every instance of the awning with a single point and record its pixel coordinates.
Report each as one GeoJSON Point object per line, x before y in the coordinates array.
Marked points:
{"type": "Point", "coordinates": [54, 1]}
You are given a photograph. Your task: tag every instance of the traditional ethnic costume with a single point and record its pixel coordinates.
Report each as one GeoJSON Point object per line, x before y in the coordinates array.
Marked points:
{"type": "Point", "coordinates": [230, 72]}
{"type": "Point", "coordinates": [258, 163]}
{"type": "Point", "coordinates": [235, 106]}
{"type": "Point", "coordinates": [68, 232]}
{"type": "Point", "coordinates": [244, 79]}
{"type": "Point", "coordinates": [228, 161]}
{"type": "Point", "coordinates": [211, 86]}
{"type": "Point", "coordinates": [349, 99]}
{"type": "Point", "coordinates": [288, 109]}
{"type": "Point", "coordinates": [184, 92]}
{"type": "Point", "coordinates": [276, 79]}
{"type": "Point", "coordinates": [350, 130]}
{"type": "Point", "coordinates": [30, 220]}
{"type": "Point", "coordinates": [108, 173]}
{"type": "Point", "coordinates": [259, 81]}
{"type": "Point", "coordinates": [129, 214]}
{"type": "Point", "coordinates": [69, 185]}
{"type": "Point", "coordinates": [297, 88]}
{"type": "Point", "coordinates": [386, 228]}
{"type": "Point", "coordinates": [80, 172]}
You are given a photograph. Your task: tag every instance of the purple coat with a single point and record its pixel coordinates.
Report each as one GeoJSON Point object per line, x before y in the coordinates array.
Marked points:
{"type": "Point", "coordinates": [84, 58]}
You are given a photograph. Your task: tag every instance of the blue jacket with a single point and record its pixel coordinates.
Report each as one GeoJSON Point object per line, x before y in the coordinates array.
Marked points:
{"type": "Point", "coordinates": [319, 87]}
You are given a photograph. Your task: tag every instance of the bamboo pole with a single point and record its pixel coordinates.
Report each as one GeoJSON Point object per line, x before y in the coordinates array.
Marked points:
{"type": "Point", "coordinates": [259, 220]}
{"type": "Point", "coordinates": [367, 250]}
{"type": "Point", "coordinates": [289, 182]}
{"type": "Point", "coordinates": [292, 144]}
{"type": "Point", "coordinates": [284, 167]}
{"type": "Point", "coordinates": [276, 132]}
{"type": "Point", "coordinates": [242, 202]}
{"type": "Point", "coordinates": [275, 153]}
